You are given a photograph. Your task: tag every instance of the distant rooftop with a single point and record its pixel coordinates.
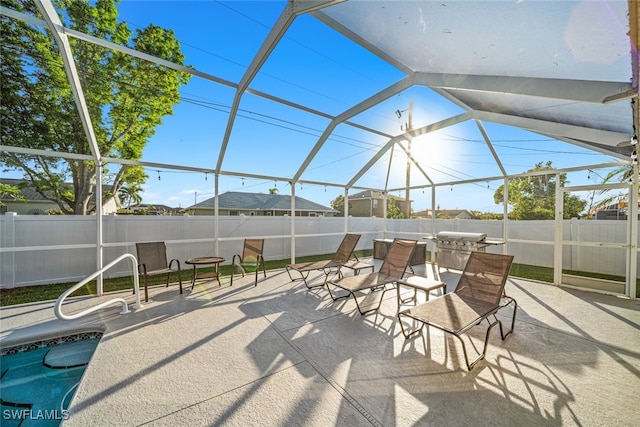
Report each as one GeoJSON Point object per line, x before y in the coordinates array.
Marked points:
{"type": "Point", "coordinates": [260, 202]}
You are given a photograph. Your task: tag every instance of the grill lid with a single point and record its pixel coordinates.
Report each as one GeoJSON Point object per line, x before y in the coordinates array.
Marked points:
{"type": "Point", "coordinates": [460, 236]}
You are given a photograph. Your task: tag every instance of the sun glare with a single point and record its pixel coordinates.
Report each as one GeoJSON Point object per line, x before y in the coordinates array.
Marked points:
{"type": "Point", "coordinates": [433, 152]}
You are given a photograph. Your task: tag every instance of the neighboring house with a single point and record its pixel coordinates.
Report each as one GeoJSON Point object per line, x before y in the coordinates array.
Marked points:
{"type": "Point", "coordinates": [617, 211]}
{"type": "Point", "coordinates": [446, 214]}
{"type": "Point", "coordinates": [371, 203]}
{"type": "Point", "coordinates": [258, 204]}
{"type": "Point", "coordinates": [35, 204]}
{"type": "Point", "coordinates": [154, 209]}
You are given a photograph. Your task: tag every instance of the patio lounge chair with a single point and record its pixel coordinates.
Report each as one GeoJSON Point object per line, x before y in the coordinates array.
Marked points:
{"type": "Point", "coordinates": [393, 268]}
{"type": "Point", "coordinates": [250, 260]}
{"type": "Point", "coordinates": [152, 261]}
{"type": "Point", "coordinates": [478, 296]}
{"type": "Point", "coordinates": [341, 257]}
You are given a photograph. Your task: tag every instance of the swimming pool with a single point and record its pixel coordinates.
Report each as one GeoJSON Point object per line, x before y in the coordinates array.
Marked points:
{"type": "Point", "coordinates": [38, 380]}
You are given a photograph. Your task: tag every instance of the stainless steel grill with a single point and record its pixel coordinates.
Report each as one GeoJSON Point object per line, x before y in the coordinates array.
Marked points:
{"type": "Point", "coordinates": [454, 247]}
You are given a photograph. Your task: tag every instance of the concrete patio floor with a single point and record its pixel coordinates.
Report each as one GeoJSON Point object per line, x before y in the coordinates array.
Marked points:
{"type": "Point", "coordinates": [281, 355]}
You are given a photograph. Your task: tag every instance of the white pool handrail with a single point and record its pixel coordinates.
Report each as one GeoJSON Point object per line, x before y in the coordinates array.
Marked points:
{"type": "Point", "coordinates": [125, 308]}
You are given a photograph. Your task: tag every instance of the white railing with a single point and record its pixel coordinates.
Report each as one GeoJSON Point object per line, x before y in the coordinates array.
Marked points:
{"type": "Point", "coordinates": [125, 308]}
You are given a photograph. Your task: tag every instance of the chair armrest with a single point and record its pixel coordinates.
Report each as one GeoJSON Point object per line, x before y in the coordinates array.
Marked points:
{"type": "Point", "coordinates": [142, 269]}
{"type": "Point", "coordinates": [177, 262]}
{"type": "Point", "coordinates": [233, 260]}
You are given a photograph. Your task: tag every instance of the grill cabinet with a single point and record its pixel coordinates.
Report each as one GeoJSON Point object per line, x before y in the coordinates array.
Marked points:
{"type": "Point", "coordinates": [454, 247]}
{"type": "Point", "coordinates": [381, 247]}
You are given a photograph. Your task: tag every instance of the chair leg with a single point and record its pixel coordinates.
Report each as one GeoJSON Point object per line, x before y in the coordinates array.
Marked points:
{"type": "Point", "coordinates": [350, 293]}
{"type": "Point", "coordinates": [233, 271]}
{"type": "Point", "coordinates": [404, 332]}
{"type": "Point", "coordinates": [513, 318]}
{"type": "Point", "coordinates": [146, 290]}
{"type": "Point", "coordinates": [264, 270]}
{"type": "Point", "coordinates": [327, 272]}
{"type": "Point", "coordinates": [482, 355]}
{"type": "Point", "coordinates": [371, 310]}
{"type": "Point", "coordinates": [302, 277]}
{"type": "Point", "coordinates": [337, 298]}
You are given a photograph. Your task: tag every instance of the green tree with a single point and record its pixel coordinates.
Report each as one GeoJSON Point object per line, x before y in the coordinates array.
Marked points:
{"type": "Point", "coordinates": [534, 197]}
{"type": "Point", "coordinates": [10, 192]}
{"type": "Point", "coordinates": [393, 210]}
{"type": "Point", "coordinates": [129, 194]}
{"type": "Point", "coordinates": [126, 97]}
{"type": "Point", "coordinates": [338, 204]}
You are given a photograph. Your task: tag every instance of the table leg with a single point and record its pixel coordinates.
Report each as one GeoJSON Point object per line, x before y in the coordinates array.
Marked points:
{"type": "Point", "coordinates": [215, 274]}
{"type": "Point", "coordinates": [193, 277]}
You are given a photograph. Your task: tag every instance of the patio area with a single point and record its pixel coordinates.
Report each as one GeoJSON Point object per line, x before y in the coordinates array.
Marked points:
{"type": "Point", "coordinates": [279, 354]}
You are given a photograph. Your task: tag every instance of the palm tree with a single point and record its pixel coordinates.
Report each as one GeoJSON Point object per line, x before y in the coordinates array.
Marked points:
{"type": "Point", "coordinates": [129, 194]}
{"type": "Point", "coordinates": [622, 174]}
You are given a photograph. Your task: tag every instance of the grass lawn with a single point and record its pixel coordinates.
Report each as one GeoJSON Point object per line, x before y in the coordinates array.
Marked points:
{"type": "Point", "coordinates": [28, 294]}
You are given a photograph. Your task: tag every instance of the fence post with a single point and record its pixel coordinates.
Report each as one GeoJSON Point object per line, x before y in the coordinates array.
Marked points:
{"type": "Point", "coordinates": [8, 260]}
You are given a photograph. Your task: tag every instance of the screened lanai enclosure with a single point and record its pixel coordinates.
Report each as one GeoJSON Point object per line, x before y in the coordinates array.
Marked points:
{"type": "Point", "coordinates": [441, 104]}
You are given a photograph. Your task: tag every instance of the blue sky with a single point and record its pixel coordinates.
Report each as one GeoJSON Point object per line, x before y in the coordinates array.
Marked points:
{"type": "Point", "coordinates": [317, 67]}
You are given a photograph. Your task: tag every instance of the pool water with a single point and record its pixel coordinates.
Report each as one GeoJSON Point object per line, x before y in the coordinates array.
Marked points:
{"type": "Point", "coordinates": [37, 385]}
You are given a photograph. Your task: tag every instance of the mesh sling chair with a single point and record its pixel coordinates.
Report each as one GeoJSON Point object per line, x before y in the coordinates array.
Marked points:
{"type": "Point", "coordinates": [250, 260]}
{"type": "Point", "coordinates": [341, 257]}
{"type": "Point", "coordinates": [392, 269]}
{"type": "Point", "coordinates": [152, 261]}
{"type": "Point", "coordinates": [478, 296]}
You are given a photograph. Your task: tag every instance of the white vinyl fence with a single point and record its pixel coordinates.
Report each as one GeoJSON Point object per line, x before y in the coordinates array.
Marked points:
{"type": "Point", "coordinates": [43, 249]}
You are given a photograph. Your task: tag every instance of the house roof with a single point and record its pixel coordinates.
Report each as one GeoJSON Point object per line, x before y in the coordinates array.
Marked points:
{"type": "Point", "coordinates": [367, 194]}
{"type": "Point", "coordinates": [452, 213]}
{"type": "Point", "coordinates": [260, 202]}
{"type": "Point", "coordinates": [28, 192]}
{"type": "Point", "coordinates": [156, 207]}
{"type": "Point", "coordinates": [371, 194]}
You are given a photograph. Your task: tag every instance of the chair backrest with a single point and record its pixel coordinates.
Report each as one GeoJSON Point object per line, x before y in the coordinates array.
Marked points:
{"type": "Point", "coordinates": [397, 259]}
{"type": "Point", "coordinates": [346, 248]}
{"type": "Point", "coordinates": [484, 277]}
{"type": "Point", "coordinates": [153, 255]}
{"type": "Point", "coordinates": [252, 250]}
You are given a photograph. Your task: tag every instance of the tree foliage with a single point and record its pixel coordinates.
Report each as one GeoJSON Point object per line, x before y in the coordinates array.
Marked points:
{"type": "Point", "coordinates": [393, 210]}
{"type": "Point", "coordinates": [10, 192]}
{"type": "Point", "coordinates": [534, 197]}
{"type": "Point", "coordinates": [127, 97]}
{"type": "Point", "coordinates": [338, 204]}
{"type": "Point", "coordinates": [130, 194]}
{"type": "Point", "coordinates": [621, 174]}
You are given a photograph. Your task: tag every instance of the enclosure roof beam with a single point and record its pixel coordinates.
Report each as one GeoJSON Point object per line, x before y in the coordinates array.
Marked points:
{"type": "Point", "coordinates": [53, 23]}
{"type": "Point", "coordinates": [554, 129]}
{"type": "Point", "coordinates": [573, 90]}
{"type": "Point", "coordinates": [372, 101]}
{"type": "Point", "coordinates": [487, 140]}
{"type": "Point", "coordinates": [288, 15]}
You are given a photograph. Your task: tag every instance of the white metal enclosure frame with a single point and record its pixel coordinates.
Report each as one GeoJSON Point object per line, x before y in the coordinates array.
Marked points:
{"type": "Point", "coordinates": [603, 115]}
